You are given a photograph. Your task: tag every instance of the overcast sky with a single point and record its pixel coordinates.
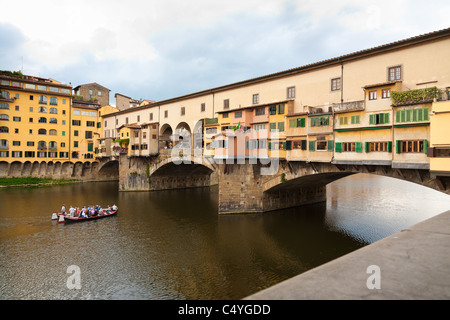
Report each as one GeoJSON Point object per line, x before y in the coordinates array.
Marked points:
{"type": "Point", "coordinates": [160, 49]}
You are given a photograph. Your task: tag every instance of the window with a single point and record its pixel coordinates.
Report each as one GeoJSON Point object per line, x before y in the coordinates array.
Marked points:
{"type": "Point", "coordinates": [99, 93]}
{"type": "Point", "coordinates": [290, 93]}
{"type": "Point", "coordinates": [226, 104]}
{"type": "Point", "coordinates": [321, 145]}
{"type": "Point", "coordinates": [386, 93]}
{"type": "Point", "coordinates": [85, 113]}
{"type": "Point", "coordinates": [53, 111]}
{"type": "Point", "coordinates": [52, 132]}
{"type": "Point", "coordinates": [42, 145]}
{"type": "Point", "coordinates": [30, 120]}
{"type": "Point", "coordinates": [259, 127]}
{"type": "Point", "coordinates": [17, 108]}
{"type": "Point", "coordinates": [384, 146]}
{"type": "Point", "coordinates": [355, 119]}
{"type": "Point", "coordinates": [183, 111]}
{"type": "Point", "coordinates": [30, 143]}
{"type": "Point", "coordinates": [88, 134]}
{"type": "Point", "coordinates": [150, 117]}
{"type": "Point", "coordinates": [335, 84]}
{"type": "Point", "coordinates": [138, 118]}
{"type": "Point", "coordinates": [92, 123]}
{"type": "Point", "coordinates": [255, 99]}
{"type": "Point", "coordinates": [319, 121]}
{"type": "Point", "coordinates": [4, 105]}
{"type": "Point", "coordinates": [53, 121]}
{"type": "Point", "coordinates": [31, 96]}
{"type": "Point", "coordinates": [412, 115]}
{"type": "Point", "coordinates": [281, 108]}
{"type": "Point", "coordinates": [202, 107]}
{"type": "Point", "coordinates": [75, 133]}
{"type": "Point", "coordinates": [75, 144]}
{"type": "Point", "coordinates": [260, 111]}
{"type": "Point", "coordinates": [42, 131]}
{"type": "Point", "coordinates": [4, 117]}
{"type": "Point", "coordinates": [16, 143]}
{"type": "Point", "coordinates": [53, 101]}
{"type": "Point", "coordinates": [280, 126]}
{"type": "Point", "coordinates": [42, 110]}
{"type": "Point", "coordinates": [238, 114]}
{"type": "Point", "coordinates": [225, 115]}
{"type": "Point", "coordinates": [395, 73]}
{"type": "Point", "coordinates": [76, 122]}
{"type": "Point", "coordinates": [30, 154]}
{"type": "Point", "coordinates": [272, 109]}
{"type": "Point", "coordinates": [373, 95]}
{"type": "Point", "coordinates": [42, 99]}
{"type": "Point", "coordinates": [379, 118]}
{"type": "Point", "coordinates": [297, 123]}
{"type": "Point", "coordinates": [411, 146]}
{"type": "Point", "coordinates": [76, 112]}
{"type": "Point", "coordinates": [166, 113]}
{"type": "Point", "coordinates": [343, 120]}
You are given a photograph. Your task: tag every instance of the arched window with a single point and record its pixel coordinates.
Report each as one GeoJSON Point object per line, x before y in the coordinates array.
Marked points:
{"type": "Point", "coordinates": [42, 109]}
{"type": "Point", "coordinates": [4, 117]}
{"type": "Point", "coordinates": [5, 94]}
{"type": "Point", "coordinates": [53, 101]}
{"type": "Point", "coordinates": [53, 111]}
{"type": "Point", "coordinates": [42, 145]}
{"type": "Point", "coordinates": [4, 130]}
{"type": "Point", "coordinates": [3, 144]}
{"type": "Point", "coordinates": [52, 145]}
{"type": "Point", "coordinates": [42, 120]}
{"type": "Point", "coordinates": [53, 120]}
{"type": "Point", "coordinates": [52, 132]}
{"type": "Point", "coordinates": [43, 99]}
{"type": "Point", "coordinates": [42, 131]}
{"type": "Point", "coordinates": [4, 105]}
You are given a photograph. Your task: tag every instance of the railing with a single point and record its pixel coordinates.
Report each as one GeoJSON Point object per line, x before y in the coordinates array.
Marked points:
{"type": "Point", "coordinates": [348, 106]}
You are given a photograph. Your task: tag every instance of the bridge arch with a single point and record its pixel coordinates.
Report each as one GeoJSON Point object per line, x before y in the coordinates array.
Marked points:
{"type": "Point", "coordinates": [180, 172]}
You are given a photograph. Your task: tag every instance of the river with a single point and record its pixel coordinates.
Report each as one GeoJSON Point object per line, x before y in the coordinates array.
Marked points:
{"type": "Point", "coordinates": [173, 245]}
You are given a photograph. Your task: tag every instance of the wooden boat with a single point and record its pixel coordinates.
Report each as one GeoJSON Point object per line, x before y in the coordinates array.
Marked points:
{"type": "Point", "coordinates": [68, 218]}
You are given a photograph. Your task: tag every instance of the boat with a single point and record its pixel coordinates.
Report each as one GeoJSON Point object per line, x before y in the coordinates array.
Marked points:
{"type": "Point", "coordinates": [68, 218]}
{"type": "Point", "coordinates": [65, 217]}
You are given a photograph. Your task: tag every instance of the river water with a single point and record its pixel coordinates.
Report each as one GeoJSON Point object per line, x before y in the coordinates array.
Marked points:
{"type": "Point", "coordinates": [174, 245]}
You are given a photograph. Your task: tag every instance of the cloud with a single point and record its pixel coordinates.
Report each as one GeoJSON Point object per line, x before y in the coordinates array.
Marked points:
{"type": "Point", "coordinates": [162, 49]}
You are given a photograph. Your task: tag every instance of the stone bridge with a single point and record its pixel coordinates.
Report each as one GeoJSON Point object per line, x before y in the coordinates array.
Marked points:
{"type": "Point", "coordinates": [251, 187]}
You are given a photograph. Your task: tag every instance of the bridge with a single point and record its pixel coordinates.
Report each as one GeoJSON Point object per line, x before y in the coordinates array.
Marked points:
{"type": "Point", "coordinates": [249, 185]}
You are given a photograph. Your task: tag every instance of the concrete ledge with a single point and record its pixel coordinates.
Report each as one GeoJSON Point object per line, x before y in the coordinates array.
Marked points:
{"type": "Point", "coordinates": [414, 264]}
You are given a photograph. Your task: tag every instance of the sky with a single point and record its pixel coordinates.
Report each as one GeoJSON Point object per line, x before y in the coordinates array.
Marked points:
{"type": "Point", "coordinates": [161, 49]}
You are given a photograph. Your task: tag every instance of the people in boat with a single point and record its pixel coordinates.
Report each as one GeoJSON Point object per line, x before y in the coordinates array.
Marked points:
{"type": "Point", "coordinates": [114, 208]}
{"type": "Point", "coordinates": [63, 209]}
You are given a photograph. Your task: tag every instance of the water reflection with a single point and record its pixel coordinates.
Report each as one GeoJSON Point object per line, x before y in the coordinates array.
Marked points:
{"type": "Point", "coordinates": [174, 245]}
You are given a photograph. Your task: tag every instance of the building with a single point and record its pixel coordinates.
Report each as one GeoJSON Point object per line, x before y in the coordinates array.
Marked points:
{"type": "Point", "coordinates": [34, 120]}
{"type": "Point", "coordinates": [92, 92]}
{"type": "Point", "coordinates": [370, 107]}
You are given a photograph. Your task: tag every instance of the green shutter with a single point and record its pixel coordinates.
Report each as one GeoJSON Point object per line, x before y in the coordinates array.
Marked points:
{"type": "Point", "coordinates": [281, 126]}
{"type": "Point", "coordinates": [425, 146]}
{"type": "Point", "coordinates": [90, 147]}
{"type": "Point", "coordinates": [397, 115]}
{"type": "Point", "coordinates": [270, 145]}
{"type": "Point", "coordinates": [408, 115]}
{"type": "Point", "coordinates": [312, 145]}
{"type": "Point", "coordinates": [302, 122]}
{"type": "Point", "coordinates": [338, 147]}
{"type": "Point", "coordinates": [398, 146]}
{"type": "Point", "coordinates": [330, 145]}
{"type": "Point", "coordinates": [389, 146]}
{"type": "Point", "coordinates": [304, 144]}
{"type": "Point", "coordinates": [358, 147]}
{"type": "Point", "coordinates": [292, 123]}
{"type": "Point", "coordinates": [426, 114]}
{"type": "Point", "coordinates": [273, 126]}
{"type": "Point", "coordinates": [372, 119]}
{"type": "Point", "coordinates": [415, 115]}
{"type": "Point", "coordinates": [386, 118]}
{"type": "Point", "coordinates": [367, 146]}
{"type": "Point", "coordinates": [281, 108]}
{"type": "Point", "coordinates": [284, 145]}
{"type": "Point", "coordinates": [288, 145]}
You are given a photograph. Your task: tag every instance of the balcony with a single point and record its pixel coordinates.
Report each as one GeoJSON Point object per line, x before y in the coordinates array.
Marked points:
{"type": "Point", "coordinates": [348, 106]}
{"type": "Point", "coordinates": [211, 121]}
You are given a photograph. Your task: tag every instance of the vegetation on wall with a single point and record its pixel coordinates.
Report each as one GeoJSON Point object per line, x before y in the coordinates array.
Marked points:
{"type": "Point", "coordinates": [11, 73]}
{"type": "Point", "coordinates": [413, 96]}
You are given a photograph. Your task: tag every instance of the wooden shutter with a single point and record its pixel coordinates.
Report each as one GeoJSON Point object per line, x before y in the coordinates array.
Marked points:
{"type": "Point", "coordinates": [330, 145]}
{"type": "Point", "coordinates": [312, 145]}
{"type": "Point", "coordinates": [338, 147]}
{"type": "Point", "coordinates": [358, 147]}
{"type": "Point", "coordinates": [389, 146]}
{"type": "Point", "coordinates": [292, 123]}
{"type": "Point", "coordinates": [303, 144]}
{"type": "Point", "coordinates": [367, 146]}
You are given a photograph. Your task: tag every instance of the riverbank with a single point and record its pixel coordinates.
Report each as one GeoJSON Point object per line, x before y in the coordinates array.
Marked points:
{"type": "Point", "coordinates": [409, 265]}
{"type": "Point", "coordinates": [33, 182]}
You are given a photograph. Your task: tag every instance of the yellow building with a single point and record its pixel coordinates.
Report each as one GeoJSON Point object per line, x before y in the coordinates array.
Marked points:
{"type": "Point", "coordinates": [439, 151]}
{"type": "Point", "coordinates": [34, 119]}
{"type": "Point", "coordinates": [85, 131]}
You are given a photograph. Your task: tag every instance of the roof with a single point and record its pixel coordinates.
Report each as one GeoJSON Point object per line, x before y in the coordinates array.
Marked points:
{"type": "Point", "coordinates": [432, 36]}
{"type": "Point", "coordinates": [89, 84]}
